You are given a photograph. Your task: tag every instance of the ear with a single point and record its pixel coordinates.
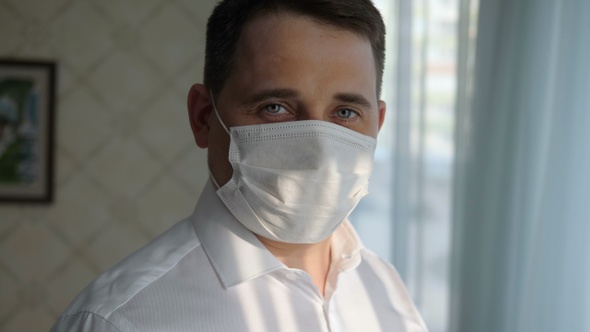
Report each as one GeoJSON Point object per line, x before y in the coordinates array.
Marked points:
{"type": "Point", "coordinates": [382, 107]}
{"type": "Point", "coordinates": [200, 109]}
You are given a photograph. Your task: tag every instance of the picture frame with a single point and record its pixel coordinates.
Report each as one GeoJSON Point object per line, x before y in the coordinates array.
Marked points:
{"type": "Point", "coordinates": [27, 106]}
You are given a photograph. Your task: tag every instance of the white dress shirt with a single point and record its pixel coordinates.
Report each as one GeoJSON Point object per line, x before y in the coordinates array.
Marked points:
{"type": "Point", "coordinates": [209, 273]}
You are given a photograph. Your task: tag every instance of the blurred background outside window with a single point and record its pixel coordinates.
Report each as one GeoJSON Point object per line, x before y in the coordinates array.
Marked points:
{"type": "Point", "coordinates": [407, 216]}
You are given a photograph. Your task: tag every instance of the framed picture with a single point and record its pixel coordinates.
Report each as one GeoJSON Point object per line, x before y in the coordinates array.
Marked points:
{"type": "Point", "coordinates": [27, 97]}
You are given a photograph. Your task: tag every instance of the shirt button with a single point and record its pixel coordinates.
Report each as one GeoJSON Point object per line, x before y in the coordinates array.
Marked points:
{"type": "Point", "coordinates": [291, 275]}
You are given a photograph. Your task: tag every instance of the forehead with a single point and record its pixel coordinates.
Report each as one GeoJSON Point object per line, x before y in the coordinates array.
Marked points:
{"type": "Point", "coordinates": [272, 27]}
{"type": "Point", "coordinates": [279, 45]}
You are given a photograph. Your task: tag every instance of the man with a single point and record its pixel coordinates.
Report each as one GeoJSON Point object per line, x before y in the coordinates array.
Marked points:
{"type": "Point", "coordinates": [289, 113]}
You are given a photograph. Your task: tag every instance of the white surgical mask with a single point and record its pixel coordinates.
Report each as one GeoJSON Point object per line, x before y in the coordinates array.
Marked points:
{"type": "Point", "coordinates": [295, 182]}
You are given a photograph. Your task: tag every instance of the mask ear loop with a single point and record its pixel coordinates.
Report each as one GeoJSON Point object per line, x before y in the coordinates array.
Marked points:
{"type": "Point", "coordinates": [217, 113]}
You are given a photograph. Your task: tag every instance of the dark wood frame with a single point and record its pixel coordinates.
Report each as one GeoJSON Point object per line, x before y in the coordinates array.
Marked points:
{"type": "Point", "coordinates": [43, 76]}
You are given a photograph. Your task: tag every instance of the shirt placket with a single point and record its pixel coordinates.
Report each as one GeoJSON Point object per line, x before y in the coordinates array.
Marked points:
{"type": "Point", "coordinates": [303, 282]}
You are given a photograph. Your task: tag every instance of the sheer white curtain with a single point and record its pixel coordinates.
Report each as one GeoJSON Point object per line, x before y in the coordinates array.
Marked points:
{"type": "Point", "coordinates": [406, 218]}
{"type": "Point", "coordinates": [522, 196]}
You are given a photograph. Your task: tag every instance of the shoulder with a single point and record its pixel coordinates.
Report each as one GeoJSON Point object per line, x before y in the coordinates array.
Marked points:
{"type": "Point", "coordinates": [383, 280]}
{"type": "Point", "coordinates": [134, 274]}
{"type": "Point", "coordinates": [376, 262]}
{"type": "Point", "coordinates": [384, 272]}
{"type": "Point", "coordinates": [83, 321]}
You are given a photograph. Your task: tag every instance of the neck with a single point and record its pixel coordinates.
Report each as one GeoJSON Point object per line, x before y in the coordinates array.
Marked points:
{"type": "Point", "coordinates": [312, 258]}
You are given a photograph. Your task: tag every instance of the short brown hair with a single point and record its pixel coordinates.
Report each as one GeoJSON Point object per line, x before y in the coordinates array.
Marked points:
{"type": "Point", "coordinates": [230, 16]}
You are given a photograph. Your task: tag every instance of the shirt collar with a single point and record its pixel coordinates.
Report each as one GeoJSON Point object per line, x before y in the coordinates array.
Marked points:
{"type": "Point", "coordinates": [235, 252]}
{"type": "Point", "coordinates": [237, 255]}
{"type": "Point", "coordinates": [346, 247]}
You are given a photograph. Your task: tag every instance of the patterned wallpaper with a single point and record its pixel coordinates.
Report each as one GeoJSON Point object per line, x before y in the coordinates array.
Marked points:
{"type": "Point", "coordinates": [126, 164]}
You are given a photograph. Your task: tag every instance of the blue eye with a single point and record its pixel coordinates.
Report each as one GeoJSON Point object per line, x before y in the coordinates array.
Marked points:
{"type": "Point", "coordinates": [346, 113]}
{"type": "Point", "coordinates": [275, 109]}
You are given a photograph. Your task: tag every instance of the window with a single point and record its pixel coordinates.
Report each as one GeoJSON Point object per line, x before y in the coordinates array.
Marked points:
{"type": "Point", "coordinates": [407, 216]}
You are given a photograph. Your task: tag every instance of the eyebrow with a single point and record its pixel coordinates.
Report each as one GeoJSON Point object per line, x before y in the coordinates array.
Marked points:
{"type": "Point", "coordinates": [353, 98]}
{"type": "Point", "coordinates": [273, 93]}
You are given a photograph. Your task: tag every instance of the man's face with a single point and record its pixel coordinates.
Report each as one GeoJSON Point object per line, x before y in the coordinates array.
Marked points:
{"type": "Point", "coordinates": [290, 68]}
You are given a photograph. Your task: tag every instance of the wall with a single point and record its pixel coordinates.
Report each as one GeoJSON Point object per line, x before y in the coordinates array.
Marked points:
{"type": "Point", "coordinates": [126, 164]}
